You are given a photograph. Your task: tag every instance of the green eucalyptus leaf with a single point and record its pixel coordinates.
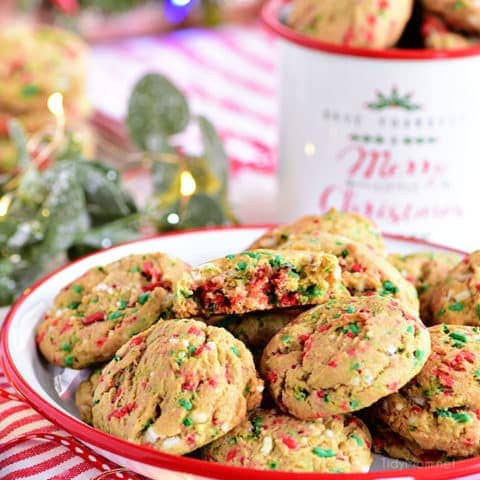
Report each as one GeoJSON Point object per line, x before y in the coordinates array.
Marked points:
{"type": "Point", "coordinates": [156, 110]}
{"type": "Point", "coordinates": [118, 231]}
{"type": "Point", "coordinates": [19, 138]}
{"type": "Point", "coordinates": [213, 149]}
{"type": "Point", "coordinates": [67, 211]}
{"type": "Point", "coordinates": [202, 211]}
{"type": "Point", "coordinates": [105, 197]}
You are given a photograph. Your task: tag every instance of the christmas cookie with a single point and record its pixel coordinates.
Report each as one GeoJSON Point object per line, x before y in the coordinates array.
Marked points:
{"type": "Point", "coordinates": [343, 356]}
{"type": "Point", "coordinates": [353, 23]}
{"type": "Point", "coordinates": [456, 299]}
{"type": "Point", "coordinates": [37, 62]}
{"type": "Point", "coordinates": [438, 36]}
{"type": "Point", "coordinates": [424, 270]}
{"type": "Point", "coordinates": [351, 225]}
{"type": "Point", "coordinates": [84, 396]}
{"type": "Point", "coordinates": [363, 271]}
{"type": "Point", "coordinates": [387, 442]}
{"type": "Point", "coordinates": [438, 409]}
{"type": "Point", "coordinates": [459, 14]}
{"type": "Point", "coordinates": [256, 329]}
{"type": "Point", "coordinates": [176, 387]}
{"type": "Point", "coordinates": [99, 312]}
{"type": "Point", "coordinates": [453, 431]}
{"type": "Point", "coordinates": [257, 280]}
{"type": "Point", "coordinates": [268, 440]}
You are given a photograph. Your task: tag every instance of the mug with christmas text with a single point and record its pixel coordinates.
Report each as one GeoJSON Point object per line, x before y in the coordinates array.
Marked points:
{"type": "Point", "coordinates": [391, 134]}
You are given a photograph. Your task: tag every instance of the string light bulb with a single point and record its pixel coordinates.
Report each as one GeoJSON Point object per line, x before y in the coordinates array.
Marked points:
{"type": "Point", "coordinates": [188, 185]}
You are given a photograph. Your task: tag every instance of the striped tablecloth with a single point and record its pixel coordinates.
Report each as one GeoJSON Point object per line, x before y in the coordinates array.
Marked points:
{"type": "Point", "coordinates": [228, 74]}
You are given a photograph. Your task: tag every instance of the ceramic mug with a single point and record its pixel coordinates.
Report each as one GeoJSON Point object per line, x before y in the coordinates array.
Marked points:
{"type": "Point", "coordinates": [391, 134]}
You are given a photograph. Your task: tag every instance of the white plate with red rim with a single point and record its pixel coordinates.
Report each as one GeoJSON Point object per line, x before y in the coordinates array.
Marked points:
{"type": "Point", "coordinates": [41, 383]}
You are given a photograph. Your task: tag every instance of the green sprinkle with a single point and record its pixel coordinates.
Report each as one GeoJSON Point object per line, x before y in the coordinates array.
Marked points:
{"type": "Point", "coordinates": [66, 347]}
{"type": "Point", "coordinates": [117, 358]}
{"type": "Point", "coordinates": [77, 288]}
{"type": "Point", "coordinates": [143, 298]}
{"type": "Point", "coordinates": [230, 256]}
{"type": "Point", "coordinates": [419, 356]}
{"type": "Point", "coordinates": [122, 304]}
{"type": "Point", "coordinates": [354, 403]}
{"type": "Point", "coordinates": [344, 253]}
{"type": "Point", "coordinates": [356, 366]}
{"type": "Point", "coordinates": [445, 329]}
{"type": "Point", "coordinates": [285, 338]}
{"type": "Point", "coordinates": [29, 91]}
{"type": "Point", "coordinates": [187, 422]}
{"type": "Point", "coordinates": [147, 425]}
{"type": "Point", "coordinates": [73, 305]}
{"type": "Point", "coordinates": [284, 237]}
{"type": "Point", "coordinates": [350, 309]}
{"type": "Point", "coordinates": [458, 417]}
{"type": "Point", "coordinates": [357, 439]}
{"type": "Point", "coordinates": [478, 310]}
{"type": "Point", "coordinates": [135, 269]}
{"type": "Point", "coordinates": [94, 300]}
{"type": "Point", "coordinates": [389, 288]}
{"type": "Point", "coordinates": [410, 329]}
{"type": "Point", "coordinates": [323, 453]}
{"type": "Point", "coordinates": [301, 393]}
{"type": "Point", "coordinates": [255, 256]}
{"type": "Point", "coordinates": [352, 328]}
{"type": "Point", "coordinates": [235, 351]}
{"type": "Point", "coordinates": [257, 423]}
{"type": "Point", "coordinates": [456, 307]}
{"type": "Point", "coordinates": [185, 293]}
{"type": "Point", "coordinates": [68, 362]}
{"type": "Point", "coordinates": [115, 315]}
{"type": "Point", "coordinates": [273, 465]}
{"type": "Point", "coordinates": [313, 291]}
{"type": "Point", "coordinates": [460, 339]}
{"type": "Point", "coordinates": [241, 266]}
{"type": "Point", "coordinates": [326, 398]}
{"type": "Point", "coordinates": [186, 404]}
{"type": "Point", "coordinates": [423, 288]}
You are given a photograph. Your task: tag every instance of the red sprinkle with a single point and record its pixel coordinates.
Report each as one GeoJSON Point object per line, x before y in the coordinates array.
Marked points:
{"type": "Point", "coordinates": [117, 395]}
{"type": "Point", "coordinates": [357, 268]}
{"type": "Point", "coordinates": [304, 337]}
{"type": "Point", "coordinates": [290, 442]}
{"type": "Point", "coordinates": [231, 454]}
{"type": "Point", "coordinates": [193, 330]}
{"type": "Point", "coordinates": [94, 317]}
{"type": "Point", "coordinates": [271, 377]}
{"type": "Point", "coordinates": [138, 340]}
{"type": "Point", "coordinates": [122, 411]}
{"type": "Point", "coordinates": [66, 327]}
{"type": "Point", "coordinates": [101, 341]}
{"type": "Point", "coordinates": [212, 382]}
{"type": "Point", "coordinates": [332, 364]}
{"type": "Point", "coordinates": [40, 337]}
{"type": "Point", "coordinates": [393, 387]}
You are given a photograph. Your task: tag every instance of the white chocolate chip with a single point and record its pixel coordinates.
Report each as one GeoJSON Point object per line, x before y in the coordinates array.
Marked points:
{"type": "Point", "coordinates": [151, 435]}
{"type": "Point", "coordinates": [225, 427]}
{"type": "Point", "coordinates": [267, 445]}
{"type": "Point", "coordinates": [419, 401]}
{"type": "Point", "coordinates": [355, 381]}
{"type": "Point", "coordinates": [391, 350]}
{"type": "Point", "coordinates": [463, 295]}
{"type": "Point", "coordinates": [329, 433]}
{"type": "Point", "coordinates": [171, 442]}
{"type": "Point", "coordinates": [199, 417]}
{"type": "Point", "coordinates": [260, 389]}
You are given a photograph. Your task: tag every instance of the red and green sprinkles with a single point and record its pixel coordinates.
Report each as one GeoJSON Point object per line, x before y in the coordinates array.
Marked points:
{"type": "Point", "coordinates": [458, 417]}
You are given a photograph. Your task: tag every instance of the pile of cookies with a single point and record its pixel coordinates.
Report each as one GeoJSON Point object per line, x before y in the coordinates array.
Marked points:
{"type": "Point", "coordinates": [35, 62]}
{"type": "Point", "coordinates": [316, 312]}
{"type": "Point", "coordinates": [435, 24]}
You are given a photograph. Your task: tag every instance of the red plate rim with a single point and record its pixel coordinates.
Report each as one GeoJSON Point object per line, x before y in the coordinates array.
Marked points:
{"type": "Point", "coordinates": [193, 466]}
{"type": "Point", "coordinates": [270, 16]}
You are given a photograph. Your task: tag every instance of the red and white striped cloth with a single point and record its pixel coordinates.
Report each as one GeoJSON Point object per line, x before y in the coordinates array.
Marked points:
{"type": "Point", "coordinates": [228, 75]}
